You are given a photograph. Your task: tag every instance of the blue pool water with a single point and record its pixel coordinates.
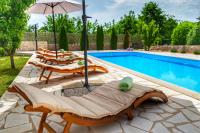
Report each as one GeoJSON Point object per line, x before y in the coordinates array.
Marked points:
{"type": "Point", "coordinates": [179, 71]}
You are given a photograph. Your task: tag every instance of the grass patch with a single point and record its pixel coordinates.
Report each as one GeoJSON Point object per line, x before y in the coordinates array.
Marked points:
{"type": "Point", "coordinates": [7, 75]}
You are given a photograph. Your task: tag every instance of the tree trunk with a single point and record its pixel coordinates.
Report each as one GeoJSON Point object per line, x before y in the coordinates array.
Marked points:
{"type": "Point", "coordinates": [12, 61]}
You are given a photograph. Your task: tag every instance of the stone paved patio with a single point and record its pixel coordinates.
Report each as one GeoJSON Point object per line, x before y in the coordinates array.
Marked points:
{"type": "Point", "coordinates": [180, 115]}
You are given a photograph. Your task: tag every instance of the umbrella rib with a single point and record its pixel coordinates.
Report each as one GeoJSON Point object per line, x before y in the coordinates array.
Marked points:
{"type": "Point", "coordinates": [57, 4]}
{"type": "Point", "coordinates": [63, 8]}
{"type": "Point", "coordinates": [45, 8]}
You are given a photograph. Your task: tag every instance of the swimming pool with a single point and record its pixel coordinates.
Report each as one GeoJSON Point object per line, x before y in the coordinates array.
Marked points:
{"type": "Point", "coordinates": [179, 71]}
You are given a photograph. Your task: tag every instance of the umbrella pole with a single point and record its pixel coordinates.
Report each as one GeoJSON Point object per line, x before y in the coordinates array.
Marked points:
{"type": "Point", "coordinates": [54, 31]}
{"type": "Point", "coordinates": [84, 17]}
{"type": "Point", "coordinates": [36, 38]}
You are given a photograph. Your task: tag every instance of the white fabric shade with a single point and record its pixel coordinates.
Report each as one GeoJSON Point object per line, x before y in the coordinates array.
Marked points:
{"type": "Point", "coordinates": [59, 6]}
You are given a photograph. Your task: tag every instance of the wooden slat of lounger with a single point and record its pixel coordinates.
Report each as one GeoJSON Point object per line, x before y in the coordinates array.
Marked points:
{"type": "Point", "coordinates": [92, 107]}
{"type": "Point", "coordinates": [105, 103]}
{"type": "Point", "coordinates": [77, 107]}
{"type": "Point", "coordinates": [115, 95]}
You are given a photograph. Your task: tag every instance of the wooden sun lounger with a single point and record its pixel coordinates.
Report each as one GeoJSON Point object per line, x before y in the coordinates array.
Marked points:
{"type": "Point", "coordinates": [101, 106]}
{"type": "Point", "coordinates": [65, 69]}
{"type": "Point", "coordinates": [62, 55]}
{"type": "Point", "coordinates": [61, 61]}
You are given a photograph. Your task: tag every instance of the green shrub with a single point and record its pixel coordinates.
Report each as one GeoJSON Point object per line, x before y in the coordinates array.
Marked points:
{"type": "Point", "coordinates": [126, 41]}
{"type": "Point", "coordinates": [63, 39]}
{"type": "Point", "coordinates": [113, 41]}
{"type": "Point", "coordinates": [100, 38]}
{"type": "Point", "coordinates": [183, 50]}
{"type": "Point", "coordinates": [81, 42]}
{"type": "Point", "coordinates": [179, 35]}
{"type": "Point", "coordinates": [197, 52]}
{"type": "Point", "coordinates": [174, 50]}
{"type": "Point", "coordinates": [193, 37]}
{"type": "Point", "coordinates": [2, 51]}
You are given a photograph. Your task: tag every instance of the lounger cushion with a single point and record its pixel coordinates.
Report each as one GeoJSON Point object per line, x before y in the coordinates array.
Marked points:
{"type": "Point", "coordinates": [106, 100]}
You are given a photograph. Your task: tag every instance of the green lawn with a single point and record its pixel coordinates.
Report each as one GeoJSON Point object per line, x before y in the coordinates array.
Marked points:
{"type": "Point", "coordinates": [7, 75]}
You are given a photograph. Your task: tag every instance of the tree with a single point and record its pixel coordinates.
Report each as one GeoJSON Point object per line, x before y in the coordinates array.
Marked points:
{"type": "Point", "coordinates": [92, 26]}
{"type": "Point", "coordinates": [63, 40]}
{"type": "Point", "coordinates": [127, 24]}
{"type": "Point", "coordinates": [165, 23]}
{"type": "Point", "coordinates": [14, 23]}
{"type": "Point", "coordinates": [100, 38]}
{"type": "Point", "coordinates": [60, 21]}
{"type": "Point", "coordinates": [150, 35]}
{"type": "Point", "coordinates": [193, 37]}
{"type": "Point", "coordinates": [179, 35]}
{"type": "Point", "coordinates": [169, 25]}
{"type": "Point", "coordinates": [126, 40]}
{"type": "Point", "coordinates": [198, 19]}
{"type": "Point", "coordinates": [150, 12]}
{"type": "Point", "coordinates": [140, 25]}
{"type": "Point", "coordinates": [73, 24]}
{"type": "Point", "coordinates": [4, 8]}
{"type": "Point", "coordinates": [113, 42]}
{"type": "Point", "coordinates": [30, 28]}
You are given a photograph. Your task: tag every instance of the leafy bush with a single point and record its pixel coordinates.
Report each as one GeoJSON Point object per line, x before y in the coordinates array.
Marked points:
{"type": "Point", "coordinates": [193, 37]}
{"type": "Point", "coordinates": [197, 52]}
{"type": "Point", "coordinates": [113, 42]}
{"type": "Point", "coordinates": [100, 38]}
{"type": "Point", "coordinates": [2, 51]}
{"type": "Point", "coordinates": [174, 50]}
{"type": "Point", "coordinates": [63, 40]}
{"type": "Point", "coordinates": [81, 42]}
{"type": "Point", "coordinates": [126, 41]}
{"type": "Point", "coordinates": [183, 51]}
{"type": "Point", "coordinates": [179, 35]}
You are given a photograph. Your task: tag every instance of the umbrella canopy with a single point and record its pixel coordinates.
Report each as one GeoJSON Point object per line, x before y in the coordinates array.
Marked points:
{"type": "Point", "coordinates": [58, 6]}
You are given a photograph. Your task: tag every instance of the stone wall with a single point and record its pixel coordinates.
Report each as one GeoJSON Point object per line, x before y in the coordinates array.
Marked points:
{"type": "Point", "coordinates": [30, 46]}
{"type": "Point", "coordinates": [187, 48]}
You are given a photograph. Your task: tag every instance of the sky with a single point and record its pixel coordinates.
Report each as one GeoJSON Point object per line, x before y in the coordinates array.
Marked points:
{"type": "Point", "coordinates": [107, 10]}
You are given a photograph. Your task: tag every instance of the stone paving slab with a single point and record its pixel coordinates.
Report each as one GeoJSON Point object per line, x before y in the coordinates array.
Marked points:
{"type": "Point", "coordinates": [180, 115]}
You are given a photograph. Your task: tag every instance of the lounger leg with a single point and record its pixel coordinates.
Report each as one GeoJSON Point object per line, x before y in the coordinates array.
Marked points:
{"type": "Point", "coordinates": [130, 114]}
{"type": "Point", "coordinates": [48, 77]}
{"type": "Point", "coordinates": [67, 127]}
{"type": "Point", "coordinates": [41, 75]}
{"type": "Point", "coordinates": [43, 119]}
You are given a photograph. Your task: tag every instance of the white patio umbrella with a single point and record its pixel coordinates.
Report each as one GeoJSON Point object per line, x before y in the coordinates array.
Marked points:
{"type": "Point", "coordinates": [53, 7]}
{"type": "Point", "coordinates": [59, 7]}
